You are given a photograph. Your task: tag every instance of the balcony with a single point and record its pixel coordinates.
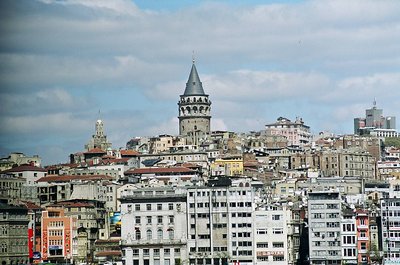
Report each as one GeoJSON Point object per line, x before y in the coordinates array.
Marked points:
{"type": "Point", "coordinates": [152, 242]}
{"type": "Point", "coordinates": [363, 238]}
{"type": "Point", "coordinates": [362, 227]}
{"type": "Point", "coordinates": [362, 251]}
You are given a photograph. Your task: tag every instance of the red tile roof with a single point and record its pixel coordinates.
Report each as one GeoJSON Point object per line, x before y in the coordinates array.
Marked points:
{"type": "Point", "coordinates": [158, 170]}
{"type": "Point", "coordinates": [129, 153]}
{"type": "Point", "coordinates": [23, 168]}
{"type": "Point", "coordinates": [111, 240]}
{"type": "Point", "coordinates": [68, 204]}
{"type": "Point", "coordinates": [115, 161]}
{"type": "Point", "coordinates": [95, 151]}
{"type": "Point", "coordinates": [31, 205]}
{"type": "Point", "coordinates": [67, 178]}
{"type": "Point", "coordinates": [108, 253]}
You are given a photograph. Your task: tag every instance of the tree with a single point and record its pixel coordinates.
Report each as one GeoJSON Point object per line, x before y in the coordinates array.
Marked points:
{"type": "Point", "coordinates": [392, 141]}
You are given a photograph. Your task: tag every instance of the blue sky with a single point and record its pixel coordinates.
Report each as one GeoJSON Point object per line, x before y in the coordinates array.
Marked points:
{"type": "Point", "coordinates": [63, 61]}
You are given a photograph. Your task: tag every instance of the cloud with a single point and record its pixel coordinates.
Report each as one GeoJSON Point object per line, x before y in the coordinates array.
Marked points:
{"type": "Point", "coordinates": [39, 102]}
{"type": "Point", "coordinates": [64, 60]}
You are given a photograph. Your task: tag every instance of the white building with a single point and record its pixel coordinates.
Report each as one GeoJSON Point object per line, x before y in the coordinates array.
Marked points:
{"type": "Point", "coordinates": [221, 224]}
{"type": "Point", "coordinates": [324, 216]}
{"type": "Point", "coordinates": [153, 229]}
{"type": "Point", "coordinates": [30, 173]}
{"type": "Point", "coordinates": [390, 223]}
{"type": "Point", "coordinates": [349, 238]}
{"type": "Point", "coordinates": [271, 235]}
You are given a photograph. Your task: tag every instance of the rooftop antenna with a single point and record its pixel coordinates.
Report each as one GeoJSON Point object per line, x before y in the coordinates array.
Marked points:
{"type": "Point", "coordinates": [374, 102]}
{"type": "Point", "coordinates": [99, 115]}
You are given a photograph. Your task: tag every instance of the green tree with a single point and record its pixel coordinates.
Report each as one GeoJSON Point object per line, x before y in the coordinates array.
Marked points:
{"type": "Point", "coordinates": [392, 141]}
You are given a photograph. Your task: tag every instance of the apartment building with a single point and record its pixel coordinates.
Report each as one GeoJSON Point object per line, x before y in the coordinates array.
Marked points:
{"type": "Point", "coordinates": [271, 235]}
{"type": "Point", "coordinates": [58, 235]}
{"type": "Point", "coordinates": [154, 226]}
{"type": "Point", "coordinates": [363, 237]}
{"type": "Point", "coordinates": [227, 166]}
{"type": "Point", "coordinates": [221, 223]}
{"type": "Point", "coordinates": [13, 234]}
{"type": "Point", "coordinates": [390, 224]}
{"type": "Point", "coordinates": [297, 133]}
{"type": "Point", "coordinates": [324, 218]}
{"type": "Point", "coordinates": [349, 237]}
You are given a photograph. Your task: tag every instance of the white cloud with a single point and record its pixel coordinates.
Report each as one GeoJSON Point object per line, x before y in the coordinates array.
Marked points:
{"type": "Point", "coordinates": [324, 60]}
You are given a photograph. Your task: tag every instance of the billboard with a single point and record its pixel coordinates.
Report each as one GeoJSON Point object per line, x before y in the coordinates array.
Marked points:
{"type": "Point", "coordinates": [115, 222]}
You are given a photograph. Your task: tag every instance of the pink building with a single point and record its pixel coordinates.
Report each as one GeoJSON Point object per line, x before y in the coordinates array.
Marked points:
{"type": "Point", "coordinates": [362, 224]}
{"type": "Point", "coordinates": [297, 133]}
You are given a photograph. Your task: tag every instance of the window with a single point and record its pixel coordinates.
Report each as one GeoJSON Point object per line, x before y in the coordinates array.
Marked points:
{"type": "Point", "coordinates": [149, 219]}
{"type": "Point", "coordinates": [276, 217]}
{"type": "Point", "coordinates": [149, 234]}
{"type": "Point", "coordinates": [277, 230]}
{"type": "Point", "coordinates": [171, 219]}
{"type": "Point", "coordinates": [159, 234]}
{"type": "Point", "coordinates": [262, 245]}
{"type": "Point", "coordinates": [167, 252]}
{"type": "Point", "coordinates": [159, 207]}
{"type": "Point", "coordinates": [171, 233]}
{"type": "Point", "coordinates": [170, 206]}
{"type": "Point", "coordinates": [146, 252]}
{"type": "Point", "coordinates": [137, 234]}
{"type": "Point", "coordinates": [137, 219]}
{"type": "Point", "coordinates": [277, 244]}
{"type": "Point", "coordinates": [159, 219]}
{"type": "Point", "coordinates": [148, 207]}
{"type": "Point", "coordinates": [278, 258]}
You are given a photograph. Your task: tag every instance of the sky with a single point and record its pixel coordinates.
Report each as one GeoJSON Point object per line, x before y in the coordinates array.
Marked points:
{"type": "Point", "coordinates": [66, 63]}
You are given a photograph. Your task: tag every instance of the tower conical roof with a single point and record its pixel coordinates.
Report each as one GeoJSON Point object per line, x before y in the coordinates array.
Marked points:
{"type": "Point", "coordinates": [193, 85]}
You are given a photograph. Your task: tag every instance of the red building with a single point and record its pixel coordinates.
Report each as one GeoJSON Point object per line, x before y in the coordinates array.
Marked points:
{"type": "Point", "coordinates": [57, 233]}
{"type": "Point", "coordinates": [362, 223]}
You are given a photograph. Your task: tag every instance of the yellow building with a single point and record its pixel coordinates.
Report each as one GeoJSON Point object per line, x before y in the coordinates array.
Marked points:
{"type": "Point", "coordinates": [228, 166]}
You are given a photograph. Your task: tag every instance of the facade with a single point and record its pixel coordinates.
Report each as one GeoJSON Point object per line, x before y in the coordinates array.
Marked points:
{"type": "Point", "coordinates": [363, 237]}
{"type": "Point", "coordinates": [227, 166]}
{"type": "Point", "coordinates": [163, 143]}
{"type": "Point", "coordinates": [30, 173]}
{"type": "Point", "coordinates": [58, 233]}
{"type": "Point", "coordinates": [271, 235]}
{"type": "Point", "coordinates": [90, 218]}
{"type": "Point", "coordinates": [342, 162]}
{"type": "Point", "coordinates": [324, 218]}
{"type": "Point", "coordinates": [17, 159]}
{"type": "Point", "coordinates": [188, 156]}
{"type": "Point", "coordinates": [13, 235]}
{"type": "Point", "coordinates": [10, 188]}
{"type": "Point", "coordinates": [297, 133]}
{"type": "Point", "coordinates": [154, 226]}
{"type": "Point", "coordinates": [221, 224]}
{"type": "Point", "coordinates": [349, 237]}
{"type": "Point", "coordinates": [390, 224]}
{"type": "Point", "coordinates": [194, 110]}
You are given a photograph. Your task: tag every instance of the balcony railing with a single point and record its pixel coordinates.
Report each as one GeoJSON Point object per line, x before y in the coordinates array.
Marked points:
{"type": "Point", "coordinates": [146, 242]}
{"type": "Point", "coordinates": [363, 251]}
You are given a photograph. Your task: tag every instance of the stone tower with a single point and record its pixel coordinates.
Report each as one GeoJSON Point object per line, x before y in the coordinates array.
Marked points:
{"type": "Point", "coordinates": [194, 110]}
{"type": "Point", "coordinates": [99, 139]}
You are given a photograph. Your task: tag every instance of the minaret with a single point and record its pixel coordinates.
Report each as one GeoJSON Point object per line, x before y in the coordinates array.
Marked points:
{"type": "Point", "coordinates": [194, 110]}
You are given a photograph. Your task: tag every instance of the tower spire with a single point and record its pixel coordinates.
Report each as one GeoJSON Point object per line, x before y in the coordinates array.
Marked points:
{"type": "Point", "coordinates": [193, 59]}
